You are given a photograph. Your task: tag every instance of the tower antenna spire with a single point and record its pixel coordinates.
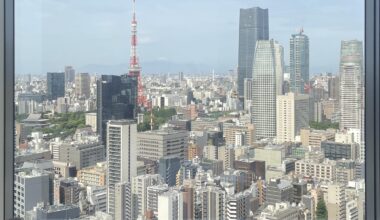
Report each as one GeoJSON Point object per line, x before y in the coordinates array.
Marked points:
{"type": "Point", "coordinates": [134, 66]}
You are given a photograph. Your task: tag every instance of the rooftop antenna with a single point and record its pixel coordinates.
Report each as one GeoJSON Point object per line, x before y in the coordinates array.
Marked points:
{"type": "Point", "coordinates": [301, 30]}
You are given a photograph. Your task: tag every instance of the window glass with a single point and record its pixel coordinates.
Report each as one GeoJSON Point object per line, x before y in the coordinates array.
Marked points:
{"type": "Point", "coordinates": [189, 109]}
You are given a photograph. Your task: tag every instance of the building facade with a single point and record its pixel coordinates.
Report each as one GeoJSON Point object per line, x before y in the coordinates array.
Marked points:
{"type": "Point", "coordinates": [69, 74]}
{"type": "Point", "coordinates": [299, 62]}
{"type": "Point", "coordinates": [55, 85]}
{"type": "Point", "coordinates": [351, 93]}
{"type": "Point", "coordinates": [122, 156]}
{"type": "Point", "coordinates": [82, 154]}
{"type": "Point", "coordinates": [94, 175]}
{"type": "Point", "coordinates": [264, 89]}
{"type": "Point", "coordinates": [123, 201]}
{"type": "Point", "coordinates": [82, 85]}
{"type": "Point", "coordinates": [156, 144]}
{"type": "Point", "coordinates": [321, 170]}
{"type": "Point", "coordinates": [292, 115]}
{"type": "Point", "coordinates": [168, 168]}
{"type": "Point", "coordinates": [30, 188]}
{"type": "Point", "coordinates": [116, 99]}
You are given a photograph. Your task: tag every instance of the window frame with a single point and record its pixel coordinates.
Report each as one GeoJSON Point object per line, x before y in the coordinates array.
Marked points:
{"type": "Point", "coordinates": [6, 108]}
{"type": "Point", "coordinates": [372, 108]}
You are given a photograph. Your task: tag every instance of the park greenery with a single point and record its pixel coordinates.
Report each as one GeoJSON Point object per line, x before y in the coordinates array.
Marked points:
{"type": "Point", "coordinates": [321, 213]}
{"type": "Point", "coordinates": [20, 117]}
{"type": "Point", "coordinates": [160, 116]}
{"type": "Point", "coordinates": [323, 125]}
{"type": "Point", "coordinates": [64, 124]}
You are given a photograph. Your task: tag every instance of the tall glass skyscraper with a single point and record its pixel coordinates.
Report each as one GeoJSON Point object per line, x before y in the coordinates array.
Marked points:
{"type": "Point", "coordinates": [351, 91]}
{"type": "Point", "coordinates": [55, 85]}
{"type": "Point", "coordinates": [266, 67]}
{"type": "Point", "coordinates": [299, 62]}
{"type": "Point", "coordinates": [254, 26]}
{"type": "Point", "coordinates": [116, 99]}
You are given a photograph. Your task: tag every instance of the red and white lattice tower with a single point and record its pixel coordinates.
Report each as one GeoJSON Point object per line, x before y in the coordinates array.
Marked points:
{"type": "Point", "coordinates": [134, 66]}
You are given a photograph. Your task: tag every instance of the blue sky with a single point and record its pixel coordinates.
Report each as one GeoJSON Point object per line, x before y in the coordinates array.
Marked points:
{"type": "Point", "coordinates": [174, 35]}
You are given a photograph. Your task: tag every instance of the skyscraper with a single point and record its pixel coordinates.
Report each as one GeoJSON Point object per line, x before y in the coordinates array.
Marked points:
{"type": "Point", "coordinates": [247, 93]}
{"type": "Point", "coordinates": [351, 93]}
{"type": "Point", "coordinates": [333, 87]}
{"type": "Point", "coordinates": [55, 85]}
{"type": "Point", "coordinates": [292, 115]}
{"type": "Point", "coordinates": [264, 88]}
{"type": "Point", "coordinates": [280, 68]}
{"type": "Point", "coordinates": [253, 26]}
{"type": "Point", "coordinates": [299, 62]}
{"type": "Point", "coordinates": [69, 74]}
{"type": "Point", "coordinates": [122, 156]}
{"type": "Point", "coordinates": [82, 85]}
{"type": "Point", "coordinates": [116, 99]}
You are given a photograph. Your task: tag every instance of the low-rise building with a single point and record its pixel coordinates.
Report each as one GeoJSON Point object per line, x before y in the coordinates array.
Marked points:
{"type": "Point", "coordinates": [94, 175]}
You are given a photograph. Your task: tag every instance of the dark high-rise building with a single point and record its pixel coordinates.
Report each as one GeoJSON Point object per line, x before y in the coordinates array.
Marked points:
{"type": "Point", "coordinates": [254, 26]}
{"type": "Point", "coordinates": [257, 168]}
{"type": "Point", "coordinates": [55, 85]}
{"type": "Point", "coordinates": [69, 74]}
{"type": "Point", "coordinates": [299, 189]}
{"type": "Point", "coordinates": [299, 62]}
{"type": "Point", "coordinates": [190, 96]}
{"type": "Point", "coordinates": [116, 99]}
{"type": "Point", "coordinates": [333, 86]}
{"type": "Point", "coordinates": [162, 102]}
{"type": "Point", "coordinates": [68, 191]}
{"type": "Point", "coordinates": [168, 168]}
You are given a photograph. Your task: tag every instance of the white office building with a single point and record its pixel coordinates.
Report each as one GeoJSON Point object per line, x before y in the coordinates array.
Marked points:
{"type": "Point", "coordinates": [292, 115]}
{"type": "Point", "coordinates": [168, 205]}
{"type": "Point", "coordinates": [122, 156]}
{"type": "Point", "coordinates": [267, 62]}
{"type": "Point", "coordinates": [140, 186]}
{"type": "Point", "coordinates": [30, 188]}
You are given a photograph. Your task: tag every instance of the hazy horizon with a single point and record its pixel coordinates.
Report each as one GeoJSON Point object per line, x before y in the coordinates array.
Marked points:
{"type": "Point", "coordinates": [188, 36]}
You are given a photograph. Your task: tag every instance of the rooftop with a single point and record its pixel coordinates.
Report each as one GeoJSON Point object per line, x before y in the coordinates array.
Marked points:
{"type": "Point", "coordinates": [122, 122]}
{"type": "Point", "coordinates": [163, 132]}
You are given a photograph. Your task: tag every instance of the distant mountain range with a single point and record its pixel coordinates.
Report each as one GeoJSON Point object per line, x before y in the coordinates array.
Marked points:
{"type": "Point", "coordinates": [154, 67]}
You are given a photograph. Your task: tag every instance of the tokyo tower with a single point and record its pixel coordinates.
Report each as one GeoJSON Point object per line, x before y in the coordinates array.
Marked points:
{"type": "Point", "coordinates": [134, 66]}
